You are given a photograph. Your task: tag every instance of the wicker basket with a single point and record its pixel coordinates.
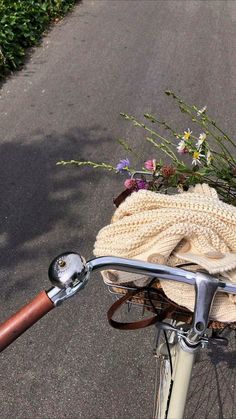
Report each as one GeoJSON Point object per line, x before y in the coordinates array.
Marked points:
{"type": "Point", "coordinates": [154, 299]}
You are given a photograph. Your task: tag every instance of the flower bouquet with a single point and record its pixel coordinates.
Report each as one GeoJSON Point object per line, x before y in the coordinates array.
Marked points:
{"type": "Point", "coordinates": [193, 156]}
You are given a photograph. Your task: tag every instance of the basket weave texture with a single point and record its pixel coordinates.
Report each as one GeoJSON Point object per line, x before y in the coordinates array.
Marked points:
{"type": "Point", "coordinates": [160, 301]}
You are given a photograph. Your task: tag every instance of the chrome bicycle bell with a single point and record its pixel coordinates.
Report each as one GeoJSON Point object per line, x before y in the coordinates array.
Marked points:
{"type": "Point", "coordinates": [67, 270]}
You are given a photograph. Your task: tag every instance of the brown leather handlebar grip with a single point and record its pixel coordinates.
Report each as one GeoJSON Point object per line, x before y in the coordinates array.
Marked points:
{"type": "Point", "coordinates": [17, 324]}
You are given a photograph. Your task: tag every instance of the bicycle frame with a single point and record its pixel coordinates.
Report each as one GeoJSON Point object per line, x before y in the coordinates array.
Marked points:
{"type": "Point", "coordinates": [174, 399]}
{"type": "Point", "coordinates": [181, 378]}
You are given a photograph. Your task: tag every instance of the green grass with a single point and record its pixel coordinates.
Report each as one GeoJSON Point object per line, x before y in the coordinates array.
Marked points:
{"type": "Point", "coordinates": [22, 24]}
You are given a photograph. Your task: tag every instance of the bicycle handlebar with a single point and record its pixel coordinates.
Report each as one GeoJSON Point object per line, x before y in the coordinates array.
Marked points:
{"type": "Point", "coordinates": [69, 273]}
{"type": "Point", "coordinates": [23, 319]}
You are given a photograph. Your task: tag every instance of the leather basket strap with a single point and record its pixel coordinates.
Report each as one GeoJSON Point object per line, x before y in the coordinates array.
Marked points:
{"type": "Point", "coordinates": [139, 324]}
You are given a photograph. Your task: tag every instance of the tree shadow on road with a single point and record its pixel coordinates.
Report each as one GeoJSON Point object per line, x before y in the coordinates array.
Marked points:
{"type": "Point", "coordinates": [44, 206]}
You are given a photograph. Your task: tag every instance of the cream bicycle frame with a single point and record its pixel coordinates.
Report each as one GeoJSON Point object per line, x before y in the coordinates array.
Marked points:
{"type": "Point", "coordinates": [173, 401]}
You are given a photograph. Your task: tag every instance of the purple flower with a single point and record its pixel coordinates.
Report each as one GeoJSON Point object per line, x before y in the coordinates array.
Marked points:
{"type": "Point", "coordinates": [122, 165]}
{"type": "Point", "coordinates": [142, 184]}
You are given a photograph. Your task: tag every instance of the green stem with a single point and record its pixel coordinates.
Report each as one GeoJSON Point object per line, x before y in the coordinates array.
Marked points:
{"type": "Point", "coordinates": [128, 148]}
{"type": "Point", "coordinates": [217, 140]}
{"type": "Point", "coordinates": [165, 149]}
{"type": "Point", "coordinates": [212, 122]}
{"type": "Point", "coordinates": [168, 150]}
{"type": "Point", "coordinates": [164, 124]}
{"type": "Point", "coordinates": [87, 163]}
{"type": "Point", "coordinates": [141, 125]}
{"type": "Point", "coordinates": [190, 109]}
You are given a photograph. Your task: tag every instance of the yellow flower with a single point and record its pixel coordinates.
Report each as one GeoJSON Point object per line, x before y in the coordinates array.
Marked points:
{"type": "Point", "coordinates": [196, 157]}
{"type": "Point", "coordinates": [187, 134]}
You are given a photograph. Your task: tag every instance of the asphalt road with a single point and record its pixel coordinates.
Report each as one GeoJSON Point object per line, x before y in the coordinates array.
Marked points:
{"type": "Point", "coordinates": [105, 58]}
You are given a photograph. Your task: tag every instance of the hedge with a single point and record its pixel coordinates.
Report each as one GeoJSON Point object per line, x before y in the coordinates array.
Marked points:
{"type": "Point", "coordinates": [22, 23]}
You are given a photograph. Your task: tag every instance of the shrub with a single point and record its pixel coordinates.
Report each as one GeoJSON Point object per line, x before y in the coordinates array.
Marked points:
{"type": "Point", "coordinates": [22, 23]}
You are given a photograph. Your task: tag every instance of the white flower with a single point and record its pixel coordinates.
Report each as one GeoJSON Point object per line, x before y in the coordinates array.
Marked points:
{"type": "Point", "coordinates": [187, 134]}
{"type": "Point", "coordinates": [196, 158]}
{"type": "Point", "coordinates": [201, 111]}
{"type": "Point", "coordinates": [201, 140]}
{"type": "Point", "coordinates": [181, 148]}
{"type": "Point", "coordinates": [209, 157]}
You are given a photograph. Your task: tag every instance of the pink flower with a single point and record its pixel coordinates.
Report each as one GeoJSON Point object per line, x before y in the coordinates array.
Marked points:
{"type": "Point", "coordinates": [150, 165]}
{"type": "Point", "coordinates": [130, 183]}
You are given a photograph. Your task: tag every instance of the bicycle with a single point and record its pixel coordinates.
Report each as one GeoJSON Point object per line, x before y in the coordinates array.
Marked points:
{"type": "Point", "coordinates": [69, 274]}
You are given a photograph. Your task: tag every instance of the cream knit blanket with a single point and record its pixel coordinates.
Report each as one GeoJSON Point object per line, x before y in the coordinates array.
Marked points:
{"type": "Point", "coordinates": [193, 226]}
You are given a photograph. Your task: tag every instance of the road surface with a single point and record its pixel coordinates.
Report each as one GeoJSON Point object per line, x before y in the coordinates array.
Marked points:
{"type": "Point", "coordinates": [104, 58]}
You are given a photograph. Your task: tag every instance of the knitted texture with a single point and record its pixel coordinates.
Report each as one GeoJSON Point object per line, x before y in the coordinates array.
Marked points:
{"type": "Point", "coordinates": [192, 226]}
